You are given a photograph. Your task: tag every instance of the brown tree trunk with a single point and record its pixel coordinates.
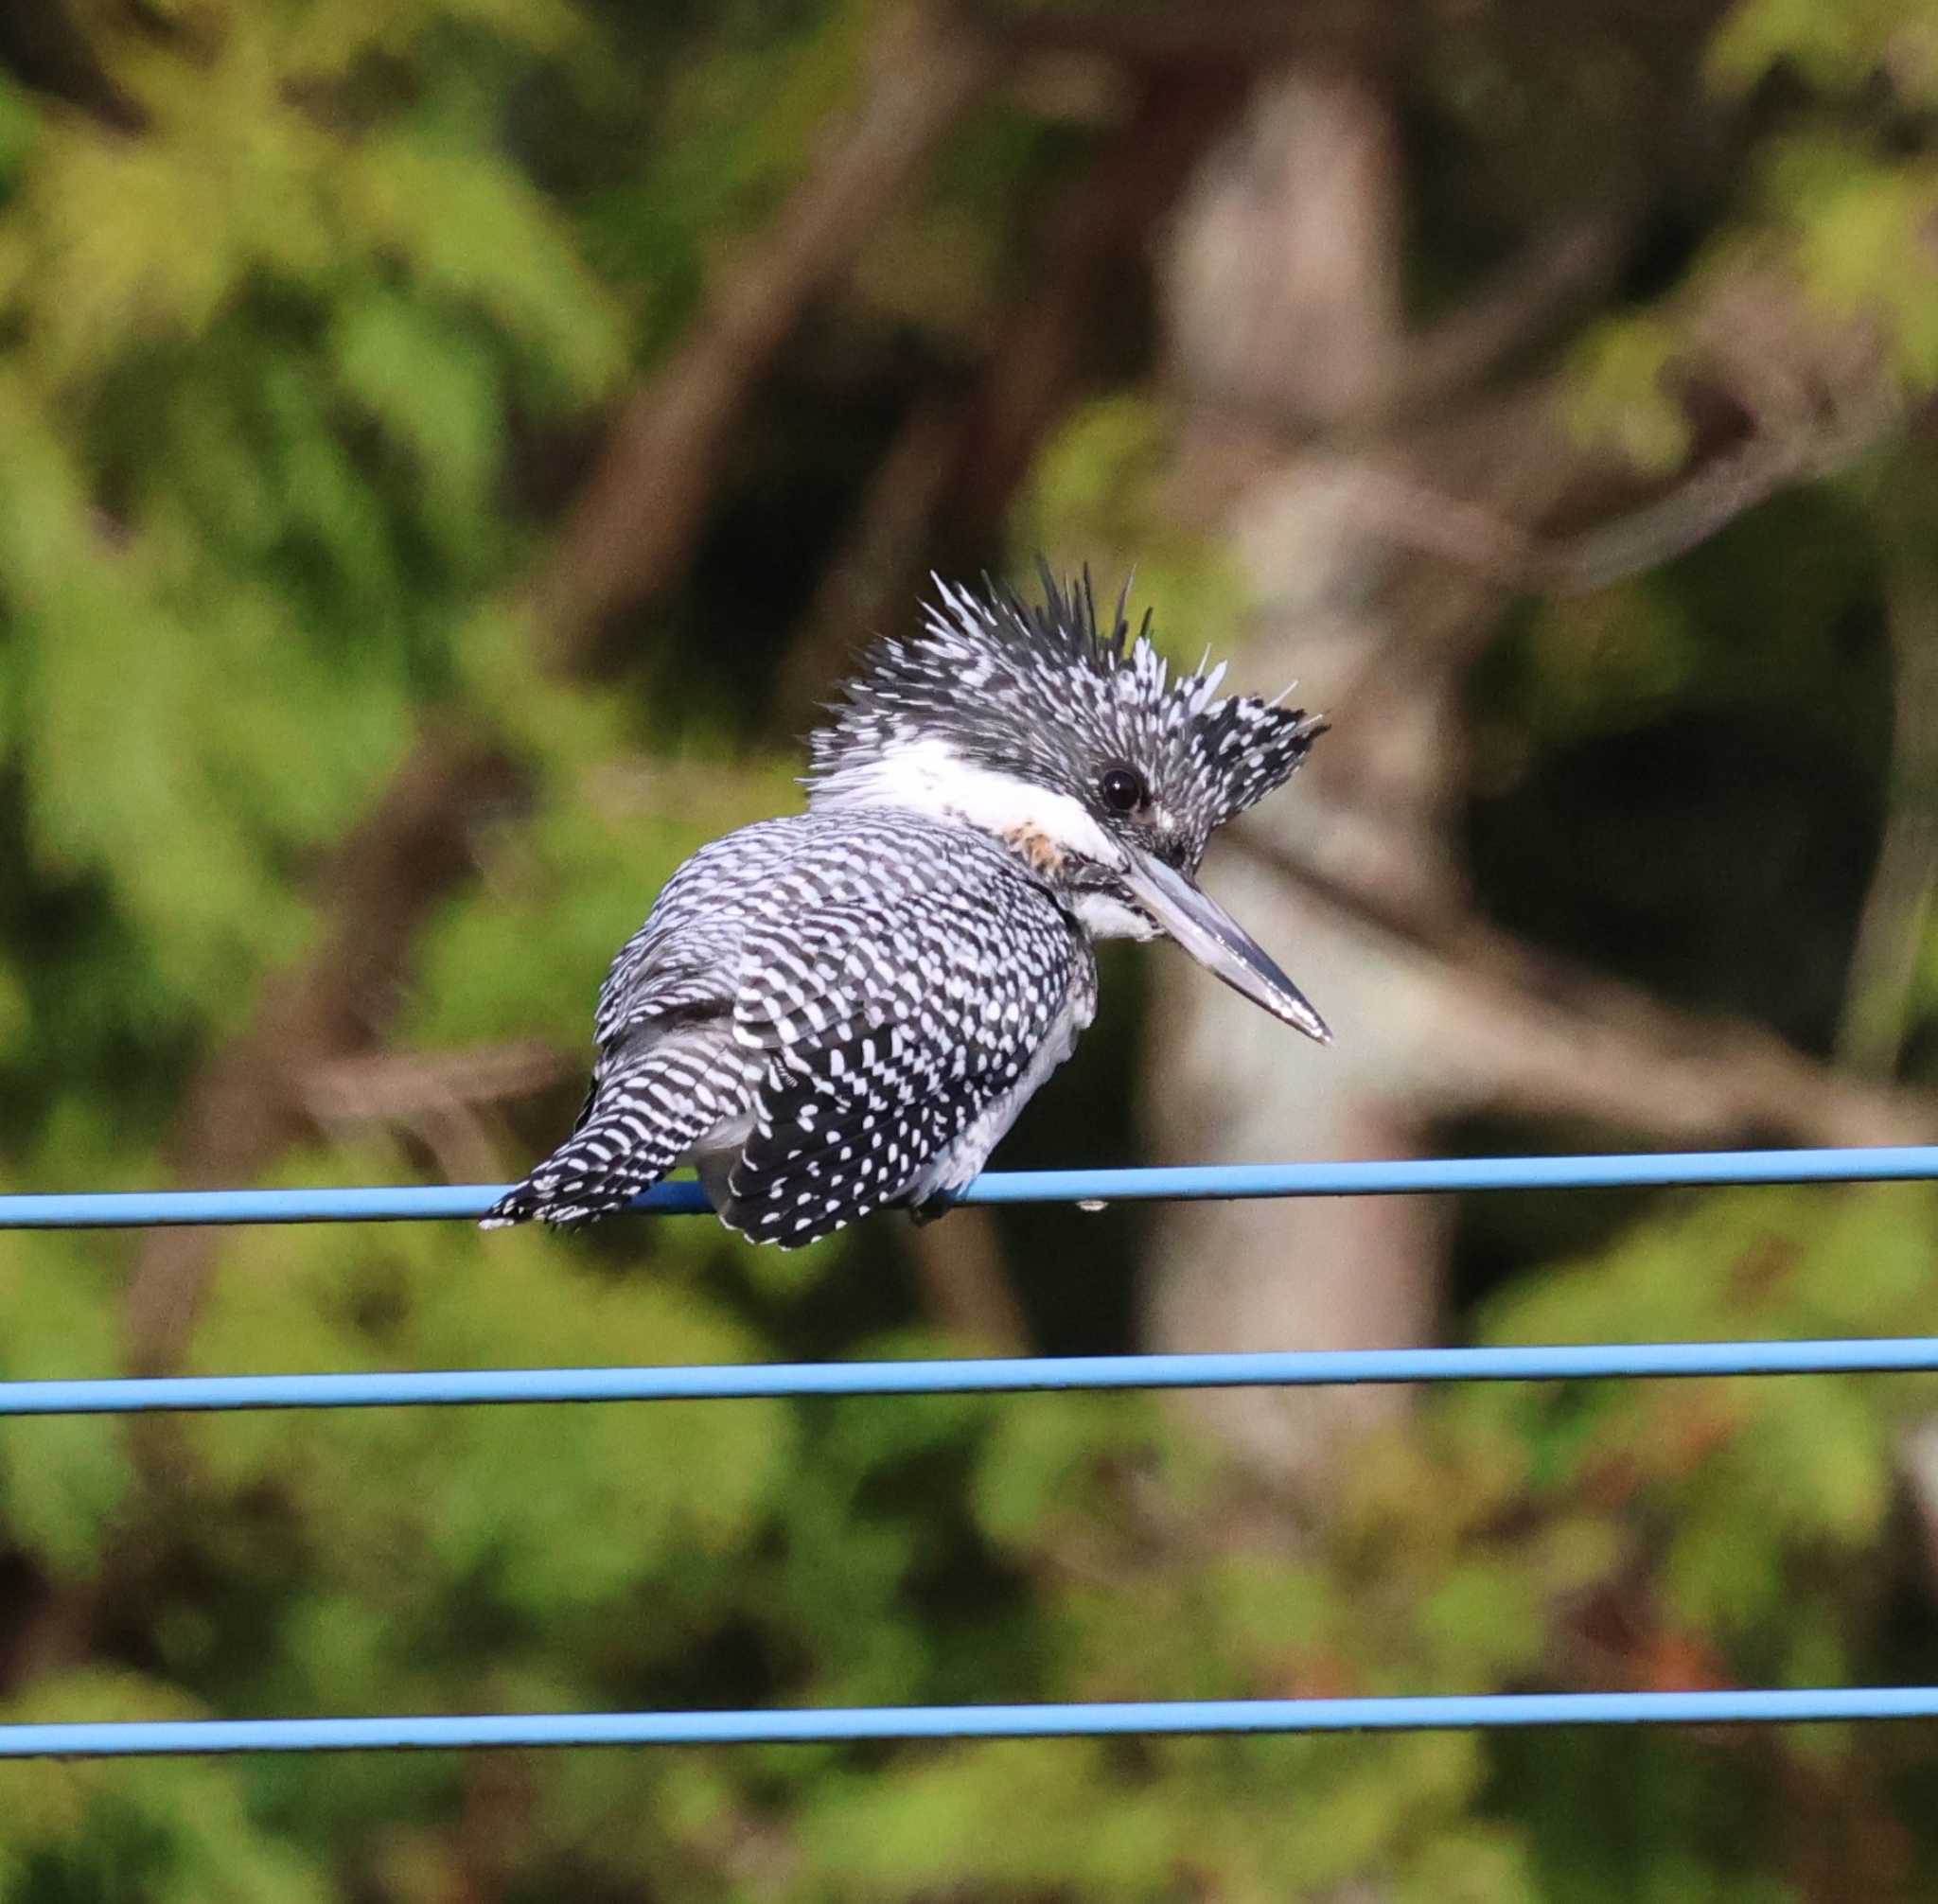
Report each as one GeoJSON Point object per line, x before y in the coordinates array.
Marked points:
{"type": "Point", "coordinates": [1295, 378]}
{"type": "Point", "coordinates": [1282, 294]}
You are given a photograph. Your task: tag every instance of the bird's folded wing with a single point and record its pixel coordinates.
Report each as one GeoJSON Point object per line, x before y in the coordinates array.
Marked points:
{"type": "Point", "coordinates": [892, 1023]}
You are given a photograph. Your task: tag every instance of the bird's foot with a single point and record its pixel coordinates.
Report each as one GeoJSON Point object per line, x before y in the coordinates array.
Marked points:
{"type": "Point", "coordinates": [938, 1203]}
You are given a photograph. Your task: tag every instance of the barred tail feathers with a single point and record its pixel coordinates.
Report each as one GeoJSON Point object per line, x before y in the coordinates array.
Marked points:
{"type": "Point", "coordinates": [638, 1127]}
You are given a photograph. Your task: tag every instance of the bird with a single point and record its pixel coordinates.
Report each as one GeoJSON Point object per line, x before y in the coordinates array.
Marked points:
{"type": "Point", "coordinates": [844, 1009]}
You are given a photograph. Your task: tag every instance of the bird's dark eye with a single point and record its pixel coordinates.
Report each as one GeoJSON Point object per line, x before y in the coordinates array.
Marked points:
{"type": "Point", "coordinates": [1122, 788]}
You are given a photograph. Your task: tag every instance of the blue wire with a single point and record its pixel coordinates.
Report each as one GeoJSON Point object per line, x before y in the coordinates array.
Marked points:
{"type": "Point", "coordinates": [1299, 1369]}
{"type": "Point", "coordinates": [1890, 1163]}
{"type": "Point", "coordinates": [836, 1725]}
{"type": "Point", "coordinates": [115, 1740]}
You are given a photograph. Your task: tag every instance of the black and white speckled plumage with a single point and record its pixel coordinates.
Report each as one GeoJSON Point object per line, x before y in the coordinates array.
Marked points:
{"type": "Point", "coordinates": [847, 1009]}
{"type": "Point", "coordinates": [1044, 692]}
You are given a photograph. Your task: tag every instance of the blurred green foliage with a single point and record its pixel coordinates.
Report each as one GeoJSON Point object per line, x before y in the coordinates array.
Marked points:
{"type": "Point", "coordinates": [268, 369]}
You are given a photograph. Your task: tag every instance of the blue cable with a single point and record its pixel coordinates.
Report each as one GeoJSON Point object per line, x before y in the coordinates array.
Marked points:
{"type": "Point", "coordinates": [116, 1739]}
{"type": "Point", "coordinates": [1687, 1169]}
{"type": "Point", "coordinates": [1297, 1369]}
{"type": "Point", "coordinates": [841, 1725]}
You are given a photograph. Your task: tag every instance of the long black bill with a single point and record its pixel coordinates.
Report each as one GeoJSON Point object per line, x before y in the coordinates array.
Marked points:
{"type": "Point", "coordinates": [1218, 943]}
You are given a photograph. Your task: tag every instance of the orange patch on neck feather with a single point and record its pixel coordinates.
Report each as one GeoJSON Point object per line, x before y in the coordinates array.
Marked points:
{"type": "Point", "coordinates": [1036, 846]}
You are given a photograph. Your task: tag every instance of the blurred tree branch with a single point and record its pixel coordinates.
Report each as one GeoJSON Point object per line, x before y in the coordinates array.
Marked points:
{"type": "Point", "coordinates": [46, 48]}
{"type": "Point", "coordinates": [1556, 272]}
{"type": "Point", "coordinates": [1253, 34]}
{"type": "Point", "coordinates": [1530, 1032]}
{"type": "Point", "coordinates": [960, 1268]}
{"type": "Point", "coordinates": [633, 527]}
{"type": "Point", "coordinates": [882, 551]}
{"type": "Point", "coordinates": [1894, 926]}
{"type": "Point", "coordinates": [444, 1099]}
{"type": "Point", "coordinates": [1697, 505]}
{"type": "Point", "coordinates": [943, 489]}
{"type": "Point", "coordinates": [1773, 394]}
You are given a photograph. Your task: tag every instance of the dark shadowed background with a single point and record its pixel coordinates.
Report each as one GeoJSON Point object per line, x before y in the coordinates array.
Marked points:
{"type": "Point", "coordinates": [447, 448]}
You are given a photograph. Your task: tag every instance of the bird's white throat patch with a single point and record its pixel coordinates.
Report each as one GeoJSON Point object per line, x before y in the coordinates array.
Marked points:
{"type": "Point", "coordinates": [1105, 916]}
{"type": "Point", "coordinates": [928, 776]}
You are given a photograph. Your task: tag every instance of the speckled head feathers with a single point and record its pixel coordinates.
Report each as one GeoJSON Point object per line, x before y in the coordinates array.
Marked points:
{"type": "Point", "coordinates": [1047, 694]}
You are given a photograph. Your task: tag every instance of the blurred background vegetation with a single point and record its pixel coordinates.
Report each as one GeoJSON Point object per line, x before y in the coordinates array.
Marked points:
{"type": "Point", "coordinates": [447, 450]}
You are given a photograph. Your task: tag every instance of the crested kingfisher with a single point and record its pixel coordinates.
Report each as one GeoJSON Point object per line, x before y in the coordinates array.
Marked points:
{"type": "Point", "coordinates": [846, 1009]}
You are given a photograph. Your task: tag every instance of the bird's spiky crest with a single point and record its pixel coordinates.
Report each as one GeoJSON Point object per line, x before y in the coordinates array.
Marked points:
{"type": "Point", "coordinates": [1050, 693]}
